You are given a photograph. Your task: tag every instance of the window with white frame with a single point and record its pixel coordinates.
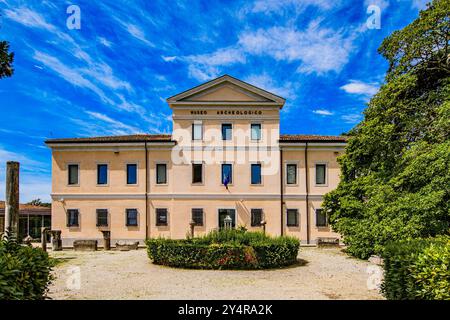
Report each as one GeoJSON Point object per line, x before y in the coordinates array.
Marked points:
{"type": "Point", "coordinates": [73, 218]}
{"type": "Point", "coordinates": [161, 217]}
{"type": "Point", "coordinates": [197, 173]}
{"type": "Point", "coordinates": [292, 218]}
{"type": "Point", "coordinates": [321, 218]}
{"type": "Point", "coordinates": [73, 171]}
{"type": "Point", "coordinates": [197, 131]}
{"type": "Point", "coordinates": [291, 173]}
{"type": "Point", "coordinates": [321, 173]}
{"type": "Point", "coordinates": [255, 131]}
{"type": "Point", "coordinates": [161, 173]}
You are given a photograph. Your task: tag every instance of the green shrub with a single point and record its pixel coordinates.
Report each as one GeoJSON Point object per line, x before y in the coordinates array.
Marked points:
{"type": "Point", "coordinates": [417, 269]}
{"type": "Point", "coordinates": [225, 249]}
{"type": "Point", "coordinates": [24, 271]}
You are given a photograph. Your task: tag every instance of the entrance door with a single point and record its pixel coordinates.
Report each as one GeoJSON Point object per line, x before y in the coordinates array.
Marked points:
{"type": "Point", "coordinates": [227, 212]}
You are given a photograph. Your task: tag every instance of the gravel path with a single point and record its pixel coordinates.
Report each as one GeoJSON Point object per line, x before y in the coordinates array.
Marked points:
{"type": "Point", "coordinates": [320, 274]}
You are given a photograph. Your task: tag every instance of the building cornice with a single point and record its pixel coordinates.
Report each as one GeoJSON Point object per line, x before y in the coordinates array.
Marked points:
{"type": "Point", "coordinates": [186, 196]}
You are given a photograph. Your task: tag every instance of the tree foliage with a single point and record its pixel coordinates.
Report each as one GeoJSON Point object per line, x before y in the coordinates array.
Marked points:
{"type": "Point", "coordinates": [395, 181]}
{"type": "Point", "coordinates": [6, 60]}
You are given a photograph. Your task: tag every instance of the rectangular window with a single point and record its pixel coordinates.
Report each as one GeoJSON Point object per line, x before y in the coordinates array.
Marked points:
{"type": "Point", "coordinates": [321, 173]}
{"type": "Point", "coordinates": [161, 217]}
{"type": "Point", "coordinates": [256, 217]}
{"type": "Point", "coordinates": [256, 173]}
{"type": "Point", "coordinates": [255, 129]}
{"type": "Point", "coordinates": [197, 173]}
{"type": "Point", "coordinates": [73, 174]}
{"type": "Point", "coordinates": [292, 217]}
{"type": "Point", "coordinates": [73, 217]}
{"type": "Point", "coordinates": [102, 218]}
{"type": "Point", "coordinates": [161, 173]}
{"type": "Point", "coordinates": [132, 217]}
{"type": "Point", "coordinates": [227, 173]}
{"type": "Point", "coordinates": [321, 218]}
{"type": "Point", "coordinates": [197, 131]}
{"type": "Point", "coordinates": [197, 216]}
{"type": "Point", "coordinates": [131, 173]}
{"type": "Point", "coordinates": [291, 174]}
{"type": "Point", "coordinates": [227, 131]}
{"type": "Point", "coordinates": [102, 174]}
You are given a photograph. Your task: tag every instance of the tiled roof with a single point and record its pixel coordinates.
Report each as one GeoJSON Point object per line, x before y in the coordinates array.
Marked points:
{"type": "Point", "coordinates": [168, 138]}
{"type": "Point", "coordinates": [106, 139]}
{"type": "Point", "coordinates": [27, 208]}
{"type": "Point", "coordinates": [311, 138]}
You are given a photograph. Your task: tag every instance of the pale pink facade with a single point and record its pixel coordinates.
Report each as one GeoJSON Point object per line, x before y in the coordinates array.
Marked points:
{"type": "Point", "coordinates": [224, 100]}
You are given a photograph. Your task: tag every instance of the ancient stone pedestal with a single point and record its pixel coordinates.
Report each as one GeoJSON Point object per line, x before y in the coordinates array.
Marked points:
{"type": "Point", "coordinates": [106, 240]}
{"type": "Point", "coordinates": [56, 240]}
{"type": "Point", "coordinates": [127, 245]}
{"type": "Point", "coordinates": [85, 245]}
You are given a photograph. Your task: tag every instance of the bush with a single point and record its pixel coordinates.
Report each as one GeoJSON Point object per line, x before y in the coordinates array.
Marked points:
{"type": "Point", "coordinates": [226, 249]}
{"type": "Point", "coordinates": [24, 272]}
{"type": "Point", "coordinates": [417, 269]}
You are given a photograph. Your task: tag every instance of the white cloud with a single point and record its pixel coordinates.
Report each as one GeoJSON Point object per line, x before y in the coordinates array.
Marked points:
{"type": "Point", "coordinates": [206, 66]}
{"type": "Point", "coordinates": [382, 4]}
{"type": "Point", "coordinates": [168, 58]}
{"type": "Point", "coordinates": [28, 18]}
{"type": "Point", "coordinates": [318, 50]}
{"type": "Point", "coordinates": [116, 125]}
{"type": "Point", "coordinates": [360, 88]}
{"type": "Point", "coordinates": [105, 42]}
{"type": "Point", "coordinates": [137, 32]}
{"type": "Point", "coordinates": [281, 6]}
{"type": "Point", "coordinates": [323, 112]}
{"type": "Point", "coordinates": [103, 73]}
{"type": "Point", "coordinates": [419, 4]}
{"type": "Point", "coordinates": [69, 74]}
{"type": "Point", "coordinates": [351, 118]}
{"type": "Point", "coordinates": [34, 179]}
{"type": "Point", "coordinates": [287, 90]}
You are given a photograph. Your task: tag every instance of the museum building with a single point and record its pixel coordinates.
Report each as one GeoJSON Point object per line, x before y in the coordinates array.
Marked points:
{"type": "Point", "coordinates": [224, 159]}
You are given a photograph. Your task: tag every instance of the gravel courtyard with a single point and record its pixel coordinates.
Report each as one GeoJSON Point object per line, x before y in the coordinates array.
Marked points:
{"type": "Point", "coordinates": [320, 274]}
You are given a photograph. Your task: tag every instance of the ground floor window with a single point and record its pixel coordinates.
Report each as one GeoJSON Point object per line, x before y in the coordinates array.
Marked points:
{"type": "Point", "coordinates": [256, 217]}
{"type": "Point", "coordinates": [132, 217]}
{"type": "Point", "coordinates": [292, 217]}
{"type": "Point", "coordinates": [161, 217]}
{"type": "Point", "coordinates": [223, 213]}
{"type": "Point", "coordinates": [73, 217]}
{"type": "Point", "coordinates": [321, 218]}
{"type": "Point", "coordinates": [197, 216]}
{"type": "Point", "coordinates": [31, 225]}
{"type": "Point", "coordinates": [102, 218]}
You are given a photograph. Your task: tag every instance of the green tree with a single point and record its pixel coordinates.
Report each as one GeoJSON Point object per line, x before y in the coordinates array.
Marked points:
{"type": "Point", "coordinates": [395, 181]}
{"type": "Point", "coordinates": [6, 60]}
{"type": "Point", "coordinates": [37, 202]}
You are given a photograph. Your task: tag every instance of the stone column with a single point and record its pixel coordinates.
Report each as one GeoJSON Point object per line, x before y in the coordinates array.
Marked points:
{"type": "Point", "coordinates": [12, 199]}
{"type": "Point", "coordinates": [44, 231]}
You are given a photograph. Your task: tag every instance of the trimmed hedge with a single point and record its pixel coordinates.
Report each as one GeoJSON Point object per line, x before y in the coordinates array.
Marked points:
{"type": "Point", "coordinates": [24, 272]}
{"type": "Point", "coordinates": [230, 249]}
{"type": "Point", "coordinates": [417, 269]}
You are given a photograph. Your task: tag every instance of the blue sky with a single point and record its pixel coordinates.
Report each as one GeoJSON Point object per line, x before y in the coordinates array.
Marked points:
{"type": "Point", "coordinates": [113, 75]}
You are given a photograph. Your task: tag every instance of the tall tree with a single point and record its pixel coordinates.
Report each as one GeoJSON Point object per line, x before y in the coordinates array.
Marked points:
{"type": "Point", "coordinates": [395, 180]}
{"type": "Point", "coordinates": [6, 60]}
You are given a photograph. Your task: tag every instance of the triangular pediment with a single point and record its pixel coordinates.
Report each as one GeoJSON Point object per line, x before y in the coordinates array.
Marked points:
{"type": "Point", "coordinates": [226, 89]}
